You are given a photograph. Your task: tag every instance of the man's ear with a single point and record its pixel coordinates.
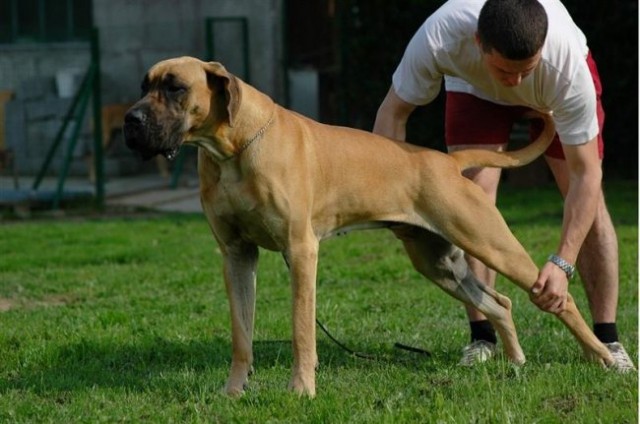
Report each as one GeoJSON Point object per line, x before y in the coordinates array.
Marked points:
{"type": "Point", "coordinates": [217, 76]}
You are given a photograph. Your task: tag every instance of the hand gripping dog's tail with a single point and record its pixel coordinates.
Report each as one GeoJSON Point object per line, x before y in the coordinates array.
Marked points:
{"type": "Point", "coordinates": [471, 158]}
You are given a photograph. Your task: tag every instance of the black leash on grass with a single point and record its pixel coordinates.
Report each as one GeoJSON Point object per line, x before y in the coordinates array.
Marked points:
{"type": "Point", "coordinates": [367, 355]}
{"type": "Point", "coordinates": [342, 345]}
{"type": "Point", "coordinates": [360, 354]}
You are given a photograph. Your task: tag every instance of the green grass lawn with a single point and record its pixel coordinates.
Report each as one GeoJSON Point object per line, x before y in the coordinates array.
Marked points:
{"type": "Point", "coordinates": [126, 320]}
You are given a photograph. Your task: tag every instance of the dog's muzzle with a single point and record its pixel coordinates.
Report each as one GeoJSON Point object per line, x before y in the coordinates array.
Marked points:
{"type": "Point", "coordinates": [138, 136]}
{"type": "Point", "coordinates": [135, 133]}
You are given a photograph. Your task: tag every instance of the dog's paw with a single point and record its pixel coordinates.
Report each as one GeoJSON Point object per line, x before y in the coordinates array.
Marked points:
{"type": "Point", "coordinates": [235, 391]}
{"type": "Point", "coordinates": [237, 384]}
{"type": "Point", "coordinates": [301, 387]}
{"type": "Point", "coordinates": [599, 355]}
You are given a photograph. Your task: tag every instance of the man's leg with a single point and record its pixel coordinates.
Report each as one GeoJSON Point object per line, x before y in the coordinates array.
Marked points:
{"type": "Point", "coordinates": [483, 335]}
{"type": "Point", "coordinates": [598, 267]}
{"type": "Point", "coordinates": [471, 122]}
{"type": "Point", "coordinates": [487, 179]}
{"type": "Point", "coordinates": [598, 258]}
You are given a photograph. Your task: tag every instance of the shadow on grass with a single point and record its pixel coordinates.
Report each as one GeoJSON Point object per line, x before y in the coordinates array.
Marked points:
{"type": "Point", "coordinates": [91, 364]}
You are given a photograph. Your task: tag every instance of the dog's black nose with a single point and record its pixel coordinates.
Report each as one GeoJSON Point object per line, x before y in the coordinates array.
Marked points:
{"type": "Point", "coordinates": [134, 117]}
{"type": "Point", "coordinates": [134, 128]}
{"type": "Point", "coordinates": [136, 135]}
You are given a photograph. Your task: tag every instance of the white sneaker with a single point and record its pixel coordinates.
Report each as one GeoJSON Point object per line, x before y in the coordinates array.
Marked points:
{"type": "Point", "coordinates": [623, 363]}
{"type": "Point", "coordinates": [477, 352]}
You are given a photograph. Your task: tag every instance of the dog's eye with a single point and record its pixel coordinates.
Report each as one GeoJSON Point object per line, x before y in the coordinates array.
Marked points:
{"type": "Point", "coordinates": [175, 89]}
{"type": "Point", "coordinates": [144, 85]}
{"type": "Point", "coordinates": [144, 88]}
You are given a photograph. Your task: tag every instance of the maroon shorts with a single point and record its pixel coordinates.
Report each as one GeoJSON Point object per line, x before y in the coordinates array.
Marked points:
{"type": "Point", "coordinates": [470, 120]}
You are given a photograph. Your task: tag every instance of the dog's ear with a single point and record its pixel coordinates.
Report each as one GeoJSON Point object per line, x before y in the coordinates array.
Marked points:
{"type": "Point", "coordinates": [219, 79]}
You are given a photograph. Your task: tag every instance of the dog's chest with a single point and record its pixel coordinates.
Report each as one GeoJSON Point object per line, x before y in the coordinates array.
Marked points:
{"type": "Point", "coordinates": [250, 213]}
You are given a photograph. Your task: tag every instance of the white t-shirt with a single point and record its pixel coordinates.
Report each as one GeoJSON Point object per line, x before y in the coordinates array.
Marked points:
{"type": "Point", "coordinates": [445, 46]}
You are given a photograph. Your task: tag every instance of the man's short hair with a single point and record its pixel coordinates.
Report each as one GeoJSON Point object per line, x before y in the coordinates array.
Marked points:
{"type": "Point", "coordinates": [514, 28]}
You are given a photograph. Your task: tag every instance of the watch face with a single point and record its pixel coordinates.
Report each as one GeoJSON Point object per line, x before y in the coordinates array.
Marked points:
{"type": "Point", "coordinates": [563, 265]}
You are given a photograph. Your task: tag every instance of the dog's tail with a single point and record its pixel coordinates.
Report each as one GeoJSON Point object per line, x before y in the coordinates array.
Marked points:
{"type": "Point", "coordinates": [472, 158]}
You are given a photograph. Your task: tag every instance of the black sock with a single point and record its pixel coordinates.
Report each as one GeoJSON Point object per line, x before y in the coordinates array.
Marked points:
{"type": "Point", "coordinates": [483, 330]}
{"type": "Point", "coordinates": [606, 332]}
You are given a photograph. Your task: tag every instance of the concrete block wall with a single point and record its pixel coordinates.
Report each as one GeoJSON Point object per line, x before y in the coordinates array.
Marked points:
{"type": "Point", "coordinates": [21, 62]}
{"type": "Point", "coordinates": [33, 119]}
{"type": "Point", "coordinates": [133, 36]}
{"type": "Point", "coordinates": [34, 115]}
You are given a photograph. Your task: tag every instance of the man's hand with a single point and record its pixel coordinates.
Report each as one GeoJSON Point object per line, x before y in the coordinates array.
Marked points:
{"type": "Point", "coordinates": [549, 292]}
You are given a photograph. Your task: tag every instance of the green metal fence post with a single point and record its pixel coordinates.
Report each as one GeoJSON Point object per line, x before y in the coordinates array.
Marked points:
{"type": "Point", "coordinates": [85, 94]}
{"type": "Point", "coordinates": [208, 31]}
{"type": "Point", "coordinates": [58, 139]}
{"type": "Point", "coordinates": [98, 153]}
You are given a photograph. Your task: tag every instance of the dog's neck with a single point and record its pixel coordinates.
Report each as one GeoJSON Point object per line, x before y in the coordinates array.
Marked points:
{"type": "Point", "coordinates": [252, 119]}
{"type": "Point", "coordinates": [258, 135]}
{"type": "Point", "coordinates": [225, 142]}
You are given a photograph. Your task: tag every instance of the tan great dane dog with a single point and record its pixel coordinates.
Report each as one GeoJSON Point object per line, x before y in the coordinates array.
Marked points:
{"type": "Point", "coordinates": [272, 178]}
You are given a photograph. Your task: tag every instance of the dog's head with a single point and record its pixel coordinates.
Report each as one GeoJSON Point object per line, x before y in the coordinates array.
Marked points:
{"type": "Point", "coordinates": [182, 98]}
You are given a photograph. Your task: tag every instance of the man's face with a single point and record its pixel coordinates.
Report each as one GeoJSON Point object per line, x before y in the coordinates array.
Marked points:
{"type": "Point", "coordinates": [509, 73]}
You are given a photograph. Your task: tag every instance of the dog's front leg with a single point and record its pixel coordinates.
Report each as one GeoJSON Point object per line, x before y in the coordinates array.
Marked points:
{"type": "Point", "coordinates": [302, 258]}
{"type": "Point", "coordinates": [240, 263]}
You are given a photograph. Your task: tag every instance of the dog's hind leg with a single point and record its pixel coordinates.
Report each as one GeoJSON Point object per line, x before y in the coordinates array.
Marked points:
{"type": "Point", "coordinates": [485, 235]}
{"type": "Point", "coordinates": [240, 264]}
{"type": "Point", "coordinates": [444, 264]}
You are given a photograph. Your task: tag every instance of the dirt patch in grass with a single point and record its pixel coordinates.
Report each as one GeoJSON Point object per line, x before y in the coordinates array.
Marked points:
{"type": "Point", "coordinates": [8, 304]}
{"type": "Point", "coordinates": [563, 405]}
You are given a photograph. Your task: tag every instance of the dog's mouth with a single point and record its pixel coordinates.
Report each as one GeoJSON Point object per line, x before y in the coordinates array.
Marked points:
{"type": "Point", "coordinates": [148, 138]}
{"type": "Point", "coordinates": [171, 154]}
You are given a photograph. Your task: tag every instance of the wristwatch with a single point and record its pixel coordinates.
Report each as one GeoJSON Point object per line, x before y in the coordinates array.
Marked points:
{"type": "Point", "coordinates": [568, 269]}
